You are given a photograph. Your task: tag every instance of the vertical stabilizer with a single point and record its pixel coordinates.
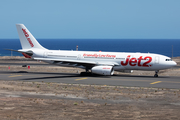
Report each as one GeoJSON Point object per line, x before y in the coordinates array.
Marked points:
{"type": "Point", "coordinates": [26, 38]}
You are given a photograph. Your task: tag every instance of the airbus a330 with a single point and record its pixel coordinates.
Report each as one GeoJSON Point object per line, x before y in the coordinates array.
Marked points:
{"type": "Point", "coordinates": [102, 63]}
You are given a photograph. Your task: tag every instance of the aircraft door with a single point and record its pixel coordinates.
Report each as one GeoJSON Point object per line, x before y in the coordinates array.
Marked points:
{"type": "Point", "coordinates": [156, 60]}
{"type": "Point", "coordinates": [79, 57]}
{"type": "Point", "coordinates": [45, 54]}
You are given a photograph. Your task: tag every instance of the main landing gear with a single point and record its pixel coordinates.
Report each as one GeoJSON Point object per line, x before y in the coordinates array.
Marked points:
{"type": "Point", "coordinates": [87, 73]}
{"type": "Point", "coordinates": [156, 73]}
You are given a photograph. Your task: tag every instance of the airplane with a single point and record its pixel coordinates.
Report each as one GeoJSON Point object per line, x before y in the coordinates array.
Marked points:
{"type": "Point", "coordinates": [101, 63]}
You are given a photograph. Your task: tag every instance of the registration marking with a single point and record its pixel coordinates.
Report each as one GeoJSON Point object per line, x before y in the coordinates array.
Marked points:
{"type": "Point", "coordinates": [156, 82]}
{"type": "Point", "coordinates": [15, 75]}
{"type": "Point", "coordinates": [80, 79]}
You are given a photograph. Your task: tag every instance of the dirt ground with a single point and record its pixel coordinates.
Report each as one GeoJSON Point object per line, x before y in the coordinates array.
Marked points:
{"type": "Point", "coordinates": [45, 101]}
{"type": "Point", "coordinates": [56, 101]}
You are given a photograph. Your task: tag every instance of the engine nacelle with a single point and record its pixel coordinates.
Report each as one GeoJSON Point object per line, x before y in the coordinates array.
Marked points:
{"type": "Point", "coordinates": [103, 70]}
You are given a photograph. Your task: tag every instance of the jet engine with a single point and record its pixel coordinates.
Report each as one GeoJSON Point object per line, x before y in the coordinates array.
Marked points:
{"type": "Point", "coordinates": [103, 70]}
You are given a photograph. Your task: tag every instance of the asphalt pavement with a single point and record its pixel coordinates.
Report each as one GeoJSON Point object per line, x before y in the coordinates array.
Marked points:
{"type": "Point", "coordinates": [169, 82]}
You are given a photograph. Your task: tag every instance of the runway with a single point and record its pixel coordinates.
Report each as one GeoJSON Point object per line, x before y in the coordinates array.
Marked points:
{"type": "Point", "coordinates": [169, 82]}
{"type": "Point", "coordinates": [45, 64]}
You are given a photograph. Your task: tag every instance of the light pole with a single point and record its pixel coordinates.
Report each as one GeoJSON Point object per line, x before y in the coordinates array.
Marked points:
{"type": "Point", "coordinates": [172, 52]}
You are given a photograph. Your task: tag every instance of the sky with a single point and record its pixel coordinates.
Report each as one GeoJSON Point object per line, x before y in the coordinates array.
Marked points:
{"type": "Point", "coordinates": [92, 19]}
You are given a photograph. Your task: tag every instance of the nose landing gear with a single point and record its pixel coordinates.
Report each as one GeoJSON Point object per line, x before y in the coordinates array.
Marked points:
{"type": "Point", "coordinates": [156, 73]}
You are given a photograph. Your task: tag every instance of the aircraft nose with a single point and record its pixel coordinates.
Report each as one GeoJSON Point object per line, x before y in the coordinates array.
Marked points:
{"type": "Point", "coordinates": [174, 63]}
{"type": "Point", "coordinates": [169, 64]}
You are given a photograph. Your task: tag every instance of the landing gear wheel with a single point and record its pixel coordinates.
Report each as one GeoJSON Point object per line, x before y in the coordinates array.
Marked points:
{"type": "Point", "coordinates": [85, 74]}
{"type": "Point", "coordinates": [156, 73]}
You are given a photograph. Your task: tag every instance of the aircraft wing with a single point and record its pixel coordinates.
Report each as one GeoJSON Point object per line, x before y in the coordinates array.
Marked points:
{"type": "Point", "coordinates": [81, 62]}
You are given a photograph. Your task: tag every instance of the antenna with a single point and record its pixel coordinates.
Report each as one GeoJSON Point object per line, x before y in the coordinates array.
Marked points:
{"type": "Point", "coordinates": [11, 53]}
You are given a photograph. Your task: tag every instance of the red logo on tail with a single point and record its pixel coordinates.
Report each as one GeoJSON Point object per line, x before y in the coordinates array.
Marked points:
{"type": "Point", "coordinates": [27, 37]}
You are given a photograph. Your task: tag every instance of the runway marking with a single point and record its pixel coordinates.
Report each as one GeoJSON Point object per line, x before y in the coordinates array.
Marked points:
{"type": "Point", "coordinates": [80, 79]}
{"type": "Point", "coordinates": [139, 80]}
{"type": "Point", "coordinates": [15, 75]}
{"type": "Point", "coordinates": [125, 80]}
{"type": "Point", "coordinates": [156, 82]}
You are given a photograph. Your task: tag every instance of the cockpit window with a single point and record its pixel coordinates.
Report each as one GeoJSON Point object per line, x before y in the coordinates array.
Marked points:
{"type": "Point", "coordinates": [168, 59]}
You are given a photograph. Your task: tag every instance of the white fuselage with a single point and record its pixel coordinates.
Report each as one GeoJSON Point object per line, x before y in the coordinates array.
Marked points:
{"type": "Point", "coordinates": [103, 63]}
{"type": "Point", "coordinates": [121, 61]}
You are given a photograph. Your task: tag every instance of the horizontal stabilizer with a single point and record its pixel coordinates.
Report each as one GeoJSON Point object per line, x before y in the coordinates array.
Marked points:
{"type": "Point", "coordinates": [21, 51]}
{"type": "Point", "coordinates": [26, 53]}
{"type": "Point", "coordinates": [12, 50]}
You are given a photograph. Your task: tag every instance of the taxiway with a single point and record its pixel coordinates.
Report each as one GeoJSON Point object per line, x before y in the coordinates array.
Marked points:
{"type": "Point", "coordinates": [169, 82]}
